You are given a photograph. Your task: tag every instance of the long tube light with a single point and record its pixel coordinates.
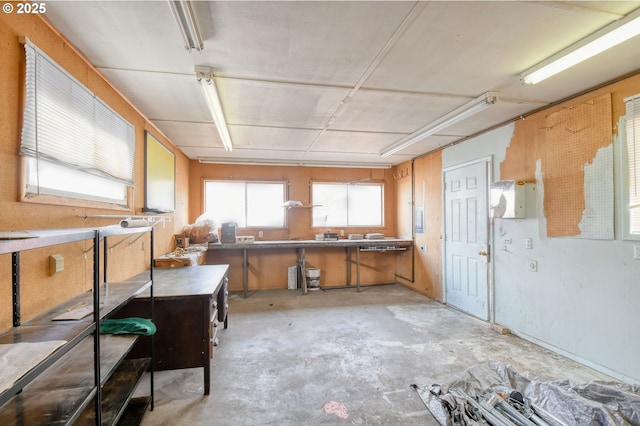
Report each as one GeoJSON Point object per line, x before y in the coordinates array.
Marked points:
{"type": "Point", "coordinates": [603, 39]}
{"type": "Point", "coordinates": [291, 163]}
{"type": "Point", "coordinates": [478, 104]}
{"type": "Point", "coordinates": [185, 17]}
{"type": "Point", "coordinates": [210, 92]}
{"type": "Point", "coordinates": [182, 11]}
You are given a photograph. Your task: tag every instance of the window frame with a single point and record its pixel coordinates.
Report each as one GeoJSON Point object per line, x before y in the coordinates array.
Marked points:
{"type": "Point", "coordinates": [377, 183]}
{"type": "Point", "coordinates": [83, 149]}
{"type": "Point", "coordinates": [625, 169]}
{"type": "Point", "coordinates": [285, 192]}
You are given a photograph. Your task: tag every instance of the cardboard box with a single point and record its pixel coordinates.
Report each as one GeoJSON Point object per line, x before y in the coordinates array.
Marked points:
{"type": "Point", "coordinates": [189, 259]}
{"type": "Point", "coordinates": [181, 241]}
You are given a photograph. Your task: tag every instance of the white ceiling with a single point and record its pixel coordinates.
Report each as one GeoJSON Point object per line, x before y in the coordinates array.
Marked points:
{"type": "Point", "coordinates": [335, 81]}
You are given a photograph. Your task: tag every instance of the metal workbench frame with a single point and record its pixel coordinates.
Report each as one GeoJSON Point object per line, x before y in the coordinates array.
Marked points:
{"type": "Point", "coordinates": [380, 245]}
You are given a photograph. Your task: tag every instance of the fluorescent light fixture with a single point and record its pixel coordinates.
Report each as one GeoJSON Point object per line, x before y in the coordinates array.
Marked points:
{"type": "Point", "coordinates": [183, 13]}
{"type": "Point", "coordinates": [603, 39]}
{"type": "Point", "coordinates": [208, 85]}
{"type": "Point", "coordinates": [298, 163]}
{"type": "Point", "coordinates": [470, 108]}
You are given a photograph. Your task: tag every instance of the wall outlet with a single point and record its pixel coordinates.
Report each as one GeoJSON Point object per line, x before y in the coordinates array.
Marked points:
{"type": "Point", "coordinates": [532, 266]}
{"type": "Point", "coordinates": [260, 234]}
{"type": "Point", "coordinates": [636, 252]}
{"type": "Point", "coordinates": [528, 243]}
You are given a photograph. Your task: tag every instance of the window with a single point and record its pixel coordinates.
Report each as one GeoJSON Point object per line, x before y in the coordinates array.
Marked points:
{"type": "Point", "coordinates": [631, 193]}
{"type": "Point", "coordinates": [347, 204]}
{"type": "Point", "coordinates": [249, 204]}
{"type": "Point", "coordinates": [75, 146]}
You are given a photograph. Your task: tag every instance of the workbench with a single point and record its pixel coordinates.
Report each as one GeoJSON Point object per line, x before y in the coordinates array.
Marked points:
{"type": "Point", "coordinates": [380, 245]}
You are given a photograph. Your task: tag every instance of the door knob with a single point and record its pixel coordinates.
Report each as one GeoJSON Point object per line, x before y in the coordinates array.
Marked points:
{"type": "Point", "coordinates": [483, 253]}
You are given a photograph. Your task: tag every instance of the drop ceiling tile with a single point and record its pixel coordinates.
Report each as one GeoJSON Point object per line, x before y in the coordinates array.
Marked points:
{"type": "Point", "coordinates": [393, 112]}
{"type": "Point", "coordinates": [273, 138]}
{"type": "Point", "coordinates": [315, 42]}
{"type": "Point", "coordinates": [192, 135]}
{"type": "Point", "coordinates": [354, 142]}
{"type": "Point", "coordinates": [471, 47]}
{"type": "Point", "coordinates": [162, 96]}
{"type": "Point", "coordinates": [270, 104]}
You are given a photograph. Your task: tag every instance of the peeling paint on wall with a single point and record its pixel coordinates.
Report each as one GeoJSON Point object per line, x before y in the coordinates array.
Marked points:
{"type": "Point", "coordinates": [597, 217]}
{"type": "Point", "coordinates": [574, 134]}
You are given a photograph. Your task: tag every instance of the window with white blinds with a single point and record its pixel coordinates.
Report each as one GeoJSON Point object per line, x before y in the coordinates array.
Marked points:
{"type": "Point", "coordinates": [632, 192]}
{"type": "Point", "coordinates": [75, 145]}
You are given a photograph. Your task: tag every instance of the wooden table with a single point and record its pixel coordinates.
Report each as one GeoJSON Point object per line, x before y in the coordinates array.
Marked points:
{"type": "Point", "coordinates": [188, 305]}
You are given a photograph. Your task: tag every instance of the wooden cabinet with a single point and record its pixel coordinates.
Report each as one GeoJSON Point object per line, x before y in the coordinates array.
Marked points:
{"type": "Point", "coordinates": [70, 373]}
{"type": "Point", "coordinates": [189, 306]}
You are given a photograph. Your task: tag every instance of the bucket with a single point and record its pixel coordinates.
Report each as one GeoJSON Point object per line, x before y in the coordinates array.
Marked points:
{"type": "Point", "coordinates": [313, 278]}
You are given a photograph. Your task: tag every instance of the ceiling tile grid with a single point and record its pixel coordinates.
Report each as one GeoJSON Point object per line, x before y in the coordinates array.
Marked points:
{"type": "Point", "coordinates": [338, 81]}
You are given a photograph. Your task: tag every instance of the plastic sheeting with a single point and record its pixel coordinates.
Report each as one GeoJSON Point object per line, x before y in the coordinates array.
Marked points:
{"type": "Point", "coordinates": [558, 402]}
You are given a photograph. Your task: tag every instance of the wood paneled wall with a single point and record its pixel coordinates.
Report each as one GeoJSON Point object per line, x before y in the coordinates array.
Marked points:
{"type": "Point", "coordinates": [268, 269]}
{"type": "Point", "coordinates": [426, 184]}
{"type": "Point", "coordinates": [40, 291]}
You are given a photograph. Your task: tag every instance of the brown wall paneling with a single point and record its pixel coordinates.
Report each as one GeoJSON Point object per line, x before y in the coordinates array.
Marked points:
{"type": "Point", "coordinates": [427, 184]}
{"type": "Point", "coordinates": [531, 142]}
{"type": "Point", "coordinates": [40, 291]}
{"type": "Point", "coordinates": [402, 175]}
{"type": "Point", "coordinates": [269, 267]}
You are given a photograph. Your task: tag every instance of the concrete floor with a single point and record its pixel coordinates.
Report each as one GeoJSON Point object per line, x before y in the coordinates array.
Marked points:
{"type": "Point", "coordinates": [339, 357]}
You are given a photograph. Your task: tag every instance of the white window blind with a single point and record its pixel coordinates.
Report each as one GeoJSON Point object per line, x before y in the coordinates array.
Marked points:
{"type": "Point", "coordinates": [66, 124]}
{"type": "Point", "coordinates": [633, 160]}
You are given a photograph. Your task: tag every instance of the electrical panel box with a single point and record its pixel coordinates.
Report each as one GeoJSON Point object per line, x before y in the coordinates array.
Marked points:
{"type": "Point", "coordinates": [508, 199]}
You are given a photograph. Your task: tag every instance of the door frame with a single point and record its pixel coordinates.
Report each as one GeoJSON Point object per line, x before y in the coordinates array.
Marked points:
{"type": "Point", "coordinates": [490, 290]}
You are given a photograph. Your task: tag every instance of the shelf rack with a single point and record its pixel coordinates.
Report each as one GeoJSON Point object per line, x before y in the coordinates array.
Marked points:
{"type": "Point", "coordinates": [60, 388]}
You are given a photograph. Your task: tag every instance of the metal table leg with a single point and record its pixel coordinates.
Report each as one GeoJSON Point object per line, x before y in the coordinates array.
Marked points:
{"type": "Point", "coordinates": [348, 266]}
{"type": "Point", "coordinates": [303, 266]}
{"type": "Point", "coordinates": [358, 269]}
{"type": "Point", "coordinates": [245, 273]}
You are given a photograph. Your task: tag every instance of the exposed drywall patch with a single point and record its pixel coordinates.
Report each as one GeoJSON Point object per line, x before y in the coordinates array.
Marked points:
{"type": "Point", "coordinates": [597, 217]}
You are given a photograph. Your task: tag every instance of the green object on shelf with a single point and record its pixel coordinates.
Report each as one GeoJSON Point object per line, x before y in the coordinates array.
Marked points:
{"type": "Point", "coordinates": [131, 325]}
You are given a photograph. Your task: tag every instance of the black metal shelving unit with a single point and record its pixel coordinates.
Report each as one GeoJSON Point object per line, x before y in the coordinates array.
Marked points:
{"type": "Point", "coordinates": [86, 379]}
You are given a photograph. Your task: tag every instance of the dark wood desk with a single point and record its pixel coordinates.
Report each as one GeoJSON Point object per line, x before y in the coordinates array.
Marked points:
{"type": "Point", "coordinates": [189, 304]}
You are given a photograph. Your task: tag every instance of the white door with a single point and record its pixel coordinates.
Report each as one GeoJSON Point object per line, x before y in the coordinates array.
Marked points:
{"type": "Point", "coordinates": [466, 238]}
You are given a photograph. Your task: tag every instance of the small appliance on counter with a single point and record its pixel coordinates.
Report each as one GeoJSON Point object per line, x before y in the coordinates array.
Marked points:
{"type": "Point", "coordinates": [245, 239]}
{"type": "Point", "coordinates": [228, 232]}
{"type": "Point", "coordinates": [374, 236]}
